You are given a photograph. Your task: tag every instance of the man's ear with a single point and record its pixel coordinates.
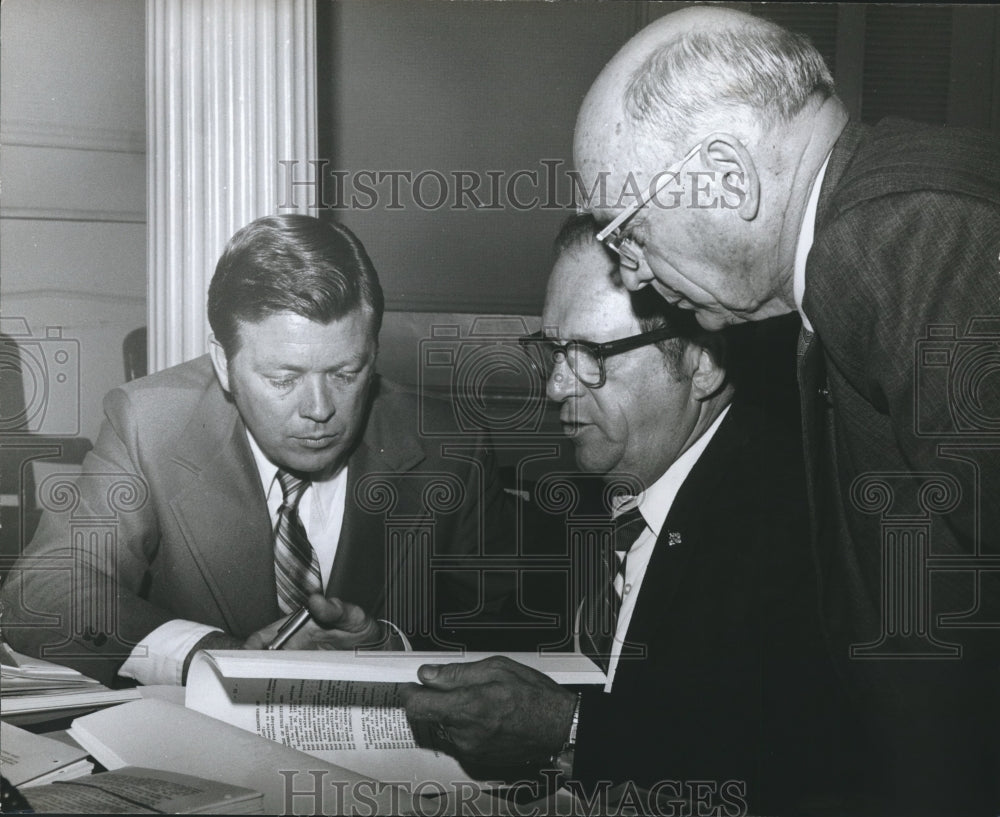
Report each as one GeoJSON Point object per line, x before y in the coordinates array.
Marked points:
{"type": "Point", "coordinates": [219, 362]}
{"type": "Point", "coordinates": [707, 377]}
{"type": "Point", "coordinates": [727, 157]}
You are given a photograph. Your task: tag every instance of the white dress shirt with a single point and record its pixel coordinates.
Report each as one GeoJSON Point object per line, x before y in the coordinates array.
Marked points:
{"type": "Point", "coordinates": [806, 234]}
{"type": "Point", "coordinates": [159, 657]}
{"type": "Point", "coordinates": [654, 504]}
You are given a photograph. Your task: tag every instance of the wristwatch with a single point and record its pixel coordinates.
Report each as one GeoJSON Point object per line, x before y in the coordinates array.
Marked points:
{"type": "Point", "coordinates": [562, 760]}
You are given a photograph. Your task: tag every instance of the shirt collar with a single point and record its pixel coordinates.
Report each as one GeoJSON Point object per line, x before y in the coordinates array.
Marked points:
{"type": "Point", "coordinates": [269, 471]}
{"type": "Point", "coordinates": [655, 502]}
{"type": "Point", "coordinates": [806, 233]}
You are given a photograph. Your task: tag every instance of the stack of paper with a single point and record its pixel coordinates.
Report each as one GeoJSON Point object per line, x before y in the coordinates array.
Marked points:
{"type": "Point", "coordinates": [31, 685]}
{"type": "Point", "coordinates": [32, 760]}
{"type": "Point", "coordinates": [23, 673]}
{"type": "Point", "coordinates": [144, 791]}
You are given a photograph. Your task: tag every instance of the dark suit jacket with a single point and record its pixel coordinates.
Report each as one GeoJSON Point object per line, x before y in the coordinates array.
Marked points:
{"type": "Point", "coordinates": [168, 520]}
{"type": "Point", "coordinates": [901, 405]}
{"type": "Point", "coordinates": [734, 690]}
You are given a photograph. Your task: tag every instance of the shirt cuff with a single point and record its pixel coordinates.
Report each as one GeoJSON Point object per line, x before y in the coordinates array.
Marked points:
{"type": "Point", "coordinates": [159, 657]}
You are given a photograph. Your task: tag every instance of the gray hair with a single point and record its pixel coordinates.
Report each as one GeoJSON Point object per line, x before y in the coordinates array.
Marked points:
{"type": "Point", "coordinates": [756, 72]}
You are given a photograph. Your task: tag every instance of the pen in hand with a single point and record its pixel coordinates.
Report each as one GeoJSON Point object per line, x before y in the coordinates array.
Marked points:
{"type": "Point", "coordinates": [291, 626]}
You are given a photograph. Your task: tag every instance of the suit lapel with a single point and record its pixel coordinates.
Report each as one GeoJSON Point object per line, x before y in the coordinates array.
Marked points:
{"type": "Point", "coordinates": [670, 563]}
{"type": "Point", "coordinates": [840, 158]}
{"type": "Point", "coordinates": [814, 393]}
{"type": "Point", "coordinates": [666, 569]}
{"type": "Point", "coordinates": [361, 569]}
{"type": "Point", "coordinates": [360, 563]}
{"type": "Point", "coordinates": [223, 515]}
{"type": "Point", "coordinates": [813, 401]}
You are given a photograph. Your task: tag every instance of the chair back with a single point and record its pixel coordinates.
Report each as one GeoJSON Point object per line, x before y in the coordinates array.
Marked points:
{"type": "Point", "coordinates": [134, 354]}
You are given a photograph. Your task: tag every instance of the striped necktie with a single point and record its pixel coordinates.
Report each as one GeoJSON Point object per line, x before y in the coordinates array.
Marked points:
{"type": "Point", "coordinates": [296, 568]}
{"type": "Point", "coordinates": [602, 619]}
{"type": "Point", "coordinates": [628, 527]}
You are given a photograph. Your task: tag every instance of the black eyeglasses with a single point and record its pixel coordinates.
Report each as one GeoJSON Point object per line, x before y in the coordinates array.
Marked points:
{"type": "Point", "coordinates": [585, 358]}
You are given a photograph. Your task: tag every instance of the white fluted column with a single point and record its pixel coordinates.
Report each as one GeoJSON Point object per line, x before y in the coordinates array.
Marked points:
{"type": "Point", "coordinates": [231, 92]}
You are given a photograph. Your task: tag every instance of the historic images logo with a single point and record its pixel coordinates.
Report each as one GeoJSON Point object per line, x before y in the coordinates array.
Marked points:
{"type": "Point", "coordinates": [956, 409]}
{"type": "Point", "coordinates": [490, 380]}
{"type": "Point", "coordinates": [41, 376]}
{"type": "Point", "coordinates": [549, 186]}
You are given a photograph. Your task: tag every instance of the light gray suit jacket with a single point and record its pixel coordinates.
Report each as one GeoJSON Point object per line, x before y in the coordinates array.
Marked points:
{"type": "Point", "coordinates": [168, 520]}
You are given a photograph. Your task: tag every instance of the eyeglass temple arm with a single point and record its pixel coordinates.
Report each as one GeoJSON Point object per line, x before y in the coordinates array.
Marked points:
{"type": "Point", "coordinates": [627, 213]}
{"type": "Point", "coordinates": [628, 344]}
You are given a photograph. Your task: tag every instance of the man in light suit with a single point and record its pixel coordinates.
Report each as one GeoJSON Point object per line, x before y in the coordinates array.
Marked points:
{"type": "Point", "coordinates": [759, 197]}
{"type": "Point", "coordinates": [167, 542]}
{"type": "Point", "coordinates": [716, 682]}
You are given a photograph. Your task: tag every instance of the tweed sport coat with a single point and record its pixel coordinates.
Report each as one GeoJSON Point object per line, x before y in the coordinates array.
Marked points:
{"type": "Point", "coordinates": [900, 390]}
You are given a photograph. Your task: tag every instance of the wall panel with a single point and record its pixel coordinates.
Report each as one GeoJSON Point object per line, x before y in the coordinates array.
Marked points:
{"type": "Point", "coordinates": [459, 88]}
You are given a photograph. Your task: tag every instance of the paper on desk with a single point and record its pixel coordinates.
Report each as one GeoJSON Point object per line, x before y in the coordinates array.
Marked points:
{"type": "Point", "coordinates": [27, 759]}
{"type": "Point", "coordinates": [31, 686]}
{"type": "Point", "coordinates": [16, 664]}
{"type": "Point", "coordinates": [144, 791]}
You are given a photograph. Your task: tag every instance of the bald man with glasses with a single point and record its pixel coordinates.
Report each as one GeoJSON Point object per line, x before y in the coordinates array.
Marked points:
{"type": "Point", "coordinates": [717, 691]}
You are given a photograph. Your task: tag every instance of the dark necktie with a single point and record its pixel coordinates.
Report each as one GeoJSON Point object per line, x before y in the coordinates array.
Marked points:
{"type": "Point", "coordinates": [296, 568]}
{"type": "Point", "coordinates": [602, 618]}
{"type": "Point", "coordinates": [628, 527]}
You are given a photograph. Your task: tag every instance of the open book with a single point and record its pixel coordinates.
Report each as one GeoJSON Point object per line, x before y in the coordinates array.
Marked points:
{"type": "Point", "coordinates": [344, 707]}
{"type": "Point", "coordinates": [157, 734]}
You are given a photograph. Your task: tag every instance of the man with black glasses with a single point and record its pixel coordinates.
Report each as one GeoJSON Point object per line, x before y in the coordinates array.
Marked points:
{"type": "Point", "coordinates": [716, 689]}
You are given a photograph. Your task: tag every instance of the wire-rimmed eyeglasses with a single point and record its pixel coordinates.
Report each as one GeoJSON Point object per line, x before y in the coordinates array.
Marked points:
{"type": "Point", "coordinates": [585, 358]}
{"type": "Point", "coordinates": [615, 236]}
